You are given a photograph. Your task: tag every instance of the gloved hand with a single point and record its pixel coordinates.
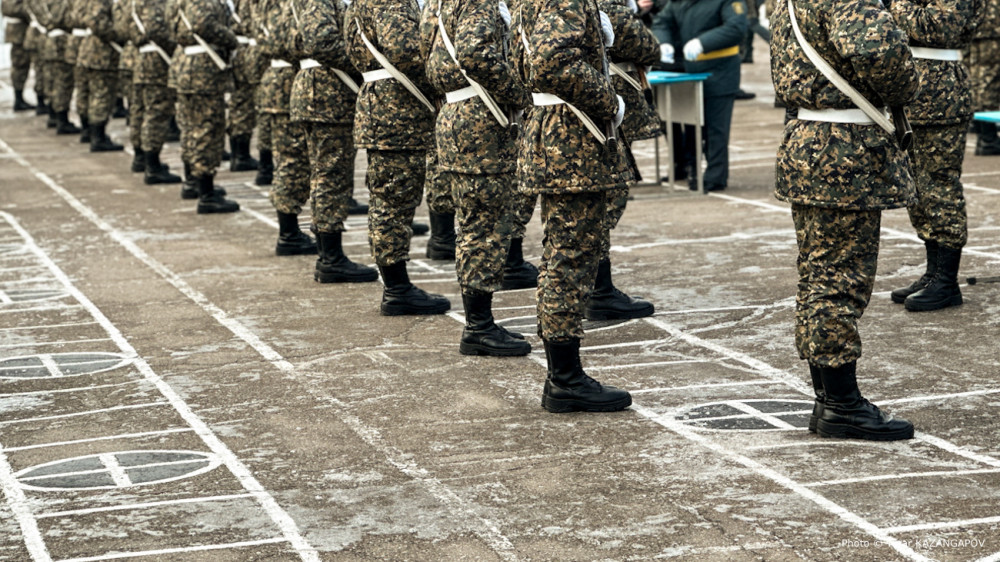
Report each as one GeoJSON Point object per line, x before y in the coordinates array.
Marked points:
{"type": "Point", "coordinates": [609, 32]}
{"type": "Point", "coordinates": [666, 53]}
{"type": "Point", "coordinates": [620, 116]}
{"type": "Point", "coordinates": [505, 13]}
{"type": "Point", "coordinates": [692, 49]}
{"type": "Point", "coordinates": [631, 4]}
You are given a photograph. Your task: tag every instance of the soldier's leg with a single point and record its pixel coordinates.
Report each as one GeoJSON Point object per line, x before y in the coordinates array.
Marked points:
{"type": "Point", "coordinates": [395, 180]}
{"type": "Point", "coordinates": [291, 185]}
{"type": "Point", "coordinates": [265, 166]}
{"type": "Point", "coordinates": [49, 88]}
{"type": "Point", "coordinates": [574, 226]}
{"type": "Point", "coordinates": [122, 92]}
{"type": "Point", "coordinates": [441, 245]}
{"type": "Point", "coordinates": [20, 67]}
{"type": "Point", "coordinates": [838, 254]}
{"type": "Point", "coordinates": [242, 116]}
{"type": "Point", "coordinates": [137, 115]}
{"type": "Point", "coordinates": [483, 210]}
{"type": "Point", "coordinates": [718, 118]}
{"type": "Point", "coordinates": [331, 159]}
{"type": "Point", "coordinates": [42, 107]}
{"type": "Point", "coordinates": [203, 121]}
{"type": "Point", "coordinates": [158, 106]}
{"type": "Point", "coordinates": [62, 97]}
{"type": "Point", "coordinates": [102, 84]}
{"type": "Point", "coordinates": [82, 101]}
{"type": "Point", "coordinates": [517, 273]}
{"type": "Point", "coordinates": [606, 301]}
{"type": "Point", "coordinates": [939, 215]}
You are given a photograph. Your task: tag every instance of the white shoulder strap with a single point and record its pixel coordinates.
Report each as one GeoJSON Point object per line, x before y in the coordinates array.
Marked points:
{"type": "Point", "coordinates": [824, 67]}
{"type": "Point", "coordinates": [393, 71]}
{"type": "Point", "coordinates": [491, 104]}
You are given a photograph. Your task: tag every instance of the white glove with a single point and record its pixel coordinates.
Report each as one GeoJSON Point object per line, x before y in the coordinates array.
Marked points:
{"type": "Point", "coordinates": [666, 53]}
{"type": "Point", "coordinates": [421, 4]}
{"type": "Point", "coordinates": [347, 2]}
{"type": "Point", "coordinates": [633, 5]}
{"type": "Point", "coordinates": [505, 13]}
{"type": "Point", "coordinates": [620, 116]}
{"type": "Point", "coordinates": [609, 32]}
{"type": "Point", "coordinates": [692, 49]}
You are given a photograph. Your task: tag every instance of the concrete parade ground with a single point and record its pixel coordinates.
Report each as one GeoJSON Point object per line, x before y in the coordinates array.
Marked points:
{"type": "Point", "coordinates": [172, 390]}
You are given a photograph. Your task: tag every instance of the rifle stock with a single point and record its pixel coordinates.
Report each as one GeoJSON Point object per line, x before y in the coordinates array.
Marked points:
{"type": "Point", "coordinates": [904, 133]}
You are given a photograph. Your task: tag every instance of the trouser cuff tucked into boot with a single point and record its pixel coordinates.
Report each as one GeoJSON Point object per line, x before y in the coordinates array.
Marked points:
{"type": "Point", "coordinates": [482, 336]}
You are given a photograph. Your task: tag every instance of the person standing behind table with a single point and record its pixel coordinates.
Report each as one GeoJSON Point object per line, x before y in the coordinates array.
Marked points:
{"type": "Point", "coordinates": [396, 127]}
{"type": "Point", "coordinates": [940, 115]}
{"type": "Point", "coordinates": [984, 74]}
{"type": "Point", "coordinates": [322, 108]}
{"type": "Point", "coordinates": [707, 34]}
{"type": "Point", "coordinates": [201, 86]}
{"type": "Point", "coordinates": [20, 61]}
{"type": "Point", "coordinates": [99, 57]}
{"type": "Point", "coordinates": [573, 170]}
{"type": "Point", "coordinates": [839, 171]}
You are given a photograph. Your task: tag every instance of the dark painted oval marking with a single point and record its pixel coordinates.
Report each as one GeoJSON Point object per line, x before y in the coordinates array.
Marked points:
{"type": "Point", "coordinates": [58, 365]}
{"type": "Point", "coordinates": [123, 469]}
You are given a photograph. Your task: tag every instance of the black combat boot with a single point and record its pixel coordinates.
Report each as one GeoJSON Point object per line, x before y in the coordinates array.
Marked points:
{"type": "Point", "coordinates": [441, 245]}
{"type": "Point", "coordinates": [138, 160]}
{"type": "Point", "coordinates": [942, 291]}
{"type": "Point", "coordinates": [569, 389]}
{"type": "Point", "coordinates": [899, 295]}
{"type": "Point", "coordinates": [211, 200]}
{"type": "Point", "coordinates": [419, 228]}
{"type": "Point", "coordinates": [291, 240]}
{"type": "Point", "coordinates": [119, 112]}
{"type": "Point", "coordinates": [400, 297]}
{"type": "Point", "coordinates": [19, 103]}
{"type": "Point", "coordinates": [64, 126]}
{"type": "Point", "coordinates": [41, 108]}
{"type": "Point", "coordinates": [265, 168]}
{"type": "Point", "coordinates": [846, 414]}
{"type": "Point", "coordinates": [84, 130]}
{"type": "Point", "coordinates": [987, 143]}
{"type": "Point", "coordinates": [241, 161]}
{"type": "Point", "coordinates": [332, 266]}
{"type": "Point", "coordinates": [517, 273]}
{"type": "Point", "coordinates": [99, 140]}
{"type": "Point", "coordinates": [53, 121]}
{"type": "Point", "coordinates": [355, 208]}
{"type": "Point", "coordinates": [817, 412]}
{"type": "Point", "coordinates": [190, 189]}
{"type": "Point", "coordinates": [173, 131]}
{"type": "Point", "coordinates": [608, 303]}
{"type": "Point", "coordinates": [156, 171]}
{"type": "Point", "coordinates": [482, 336]}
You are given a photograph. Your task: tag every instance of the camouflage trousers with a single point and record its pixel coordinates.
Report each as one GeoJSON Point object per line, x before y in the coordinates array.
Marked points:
{"type": "Point", "coordinates": [838, 254]}
{"type": "Point", "coordinates": [984, 74]}
{"type": "Point", "coordinates": [20, 66]}
{"type": "Point", "coordinates": [617, 199]}
{"type": "Point", "coordinates": [59, 90]}
{"type": "Point", "coordinates": [101, 84]}
{"type": "Point", "coordinates": [123, 89]}
{"type": "Point", "coordinates": [136, 115]}
{"type": "Point", "coordinates": [438, 190]}
{"type": "Point", "coordinates": [939, 213]}
{"type": "Point", "coordinates": [331, 179]}
{"type": "Point", "coordinates": [39, 65]}
{"type": "Point", "coordinates": [263, 131]}
{"type": "Point", "coordinates": [150, 110]}
{"type": "Point", "coordinates": [82, 92]}
{"type": "Point", "coordinates": [573, 227]}
{"type": "Point", "coordinates": [291, 164]}
{"type": "Point", "coordinates": [242, 114]}
{"type": "Point", "coordinates": [483, 213]}
{"type": "Point", "coordinates": [395, 182]}
{"type": "Point", "coordinates": [202, 119]}
{"type": "Point", "coordinates": [523, 205]}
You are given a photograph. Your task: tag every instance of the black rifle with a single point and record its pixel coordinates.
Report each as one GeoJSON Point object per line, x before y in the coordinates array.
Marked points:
{"type": "Point", "coordinates": [904, 133]}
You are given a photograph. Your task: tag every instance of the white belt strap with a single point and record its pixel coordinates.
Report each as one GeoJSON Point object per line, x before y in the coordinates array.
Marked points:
{"type": "Point", "coordinates": [936, 54]}
{"type": "Point", "coordinates": [77, 32]}
{"type": "Point", "coordinates": [460, 95]}
{"type": "Point", "coordinates": [309, 63]}
{"type": "Point", "coordinates": [10, 19]}
{"type": "Point", "coordinates": [550, 99]}
{"type": "Point", "coordinates": [347, 80]}
{"type": "Point", "coordinates": [244, 40]}
{"type": "Point", "coordinates": [491, 104]}
{"type": "Point", "coordinates": [376, 75]}
{"type": "Point", "coordinates": [56, 33]}
{"type": "Point", "coordinates": [855, 116]}
{"type": "Point", "coordinates": [152, 47]}
{"type": "Point", "coordinates": [393, 71]}
{"type": "Point", "coordinates": [195, 50]}
{"type": "Point", "coordinates": [278, 63]}
{"type": "Point", "coordinates": [622, 69]}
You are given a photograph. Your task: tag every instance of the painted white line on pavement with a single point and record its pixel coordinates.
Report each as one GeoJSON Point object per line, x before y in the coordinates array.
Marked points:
{"type": "Point", "coordinates": [22, 512]}
{"type": "Point", "coordinates": [40, 309]}
{"type": "Point", "coordinates": [86, 413]}
{"type": "Point", "coordinates": [145, 505]}
{"type": "Point", "coordinates": [165, 551]}
{"type": "Point", "coordinates": [47, 327]}
{"type": "Point", "coordinates": [991, 558]}
{"type": "Point", "coordinates": [942, 525]}
{"type": "Point", "coordinates": [104, 438]}
{"type": "Point", "coordinates": [77, 389]}
{"type": "Point", "coordinates": [760, 382]}
{"type": "Point", "coordinates": [41, 343]}
{"type": "Point", "coordinates": [935, 397]}
{"type": "Point", "coordinates": [650, 364]}
{"type": "Point", "coordinates": [115, 470]}
{"type": "Point", "coordinates": [935, 473]}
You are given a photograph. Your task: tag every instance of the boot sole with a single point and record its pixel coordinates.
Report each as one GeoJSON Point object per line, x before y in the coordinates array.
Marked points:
{"type": "Point", "coordinates": [565, 406]}
{"type": "Point", "coordinates": [404, 310]}
{"type": "Point", "coordinates": [921, 307]}
{"type": "Point", "coordinates": [517, 285]}
{"type": "Point", "coordinates": [189, 195]}
{"type": "Point", "coordinates": [478, 349]}
{"type": "Point", "coordinates": [899, 300]}
{"type": "Point", "coordinates": [441, 256]}
{"type": "Point", "coordinates": [278, 250]}
{"type": "Point", "coordinates": [602, 314]}
{"type": "Point", "coordinates": [165, 182]}
{"type": "Point", "coordinates": [243, 168]}
{"type": "Point", "coordinates": [212, 211]}
{"type": "Point", "coordinates": [335, 278]}
{"type": "Point", "coordinates": [839, 431]}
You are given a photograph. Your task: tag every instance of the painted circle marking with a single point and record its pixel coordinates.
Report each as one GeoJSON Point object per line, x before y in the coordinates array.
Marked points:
{"type": "Point", "coordinates": [58, 365]}
{"type": "Point", "coordinates": [748, 415]}
{"type": "Point", "coordinates": [123, 469]}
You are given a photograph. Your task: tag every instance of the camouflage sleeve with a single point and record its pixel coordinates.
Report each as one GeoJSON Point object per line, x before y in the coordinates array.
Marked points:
{"type": "Point", "coordinates": [428, 29]}
{"type": "Point", "coordinates": [559, 58]}
{"type": "Point", "coordinates": [634, 42]}
{"type": "Point", "coordinates": [12, 8]}
{"type": "Point", "coordinates": [154, 17]}
{"type": "Point", "coordinates": [731, 32]}
{"type": "Point", "coordinates": [208, 21]}
{"type": "Point", "coordinates": [665, 25]}
{"type": "Point", "coordinates": [36, 7]}
{"type": "Point", "coordinates": [865, 35]}
{"type": "Point", "coordinates": [939, 23]}
{"type": "Point", "coordinates": [321, 33]}
{"type": "Point", "coordinates": [481, 55]}
{"type": "Point", "coordinates": [397, 30]}
{"type": "Point", "coordinates": [98, 19]}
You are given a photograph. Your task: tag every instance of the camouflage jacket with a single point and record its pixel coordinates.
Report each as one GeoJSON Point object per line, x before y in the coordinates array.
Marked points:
{"type": "Point", "coordinates": [17, 21]}
{"type": "Point", "coordinates": [556, 152]}
{"type": "Point", "coordinates": [318, 94]}
{"type": "Point", "coordinates": [634, 44]}
{"type": "Point", "coordinates": [944, 97]}
{"type": "Point", "coordinates": [96, 51]}
{"type": "Point", "coordinates": [849, 166]}
{"type": "Point", "coordinates": [121, 17]}
{"type": "Point", "coordinates": [210, 19]}
{"type": "Point", "coordinates": [282, 42]}
{"type": "Point", "coordinates": [74, 15]}
{"type": "Point", "coordinates": [469, 138]}
{"type": "Point", "coordinates": [247, 67]}
{"type": "Point", "coordinates": [388, 116]}
{"type": "Point", "coordinates": [150, 68]}
{"type": "Point", "coordinates": [53, 15]}
{"type": "Point", "coordinates": [989, 27]}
